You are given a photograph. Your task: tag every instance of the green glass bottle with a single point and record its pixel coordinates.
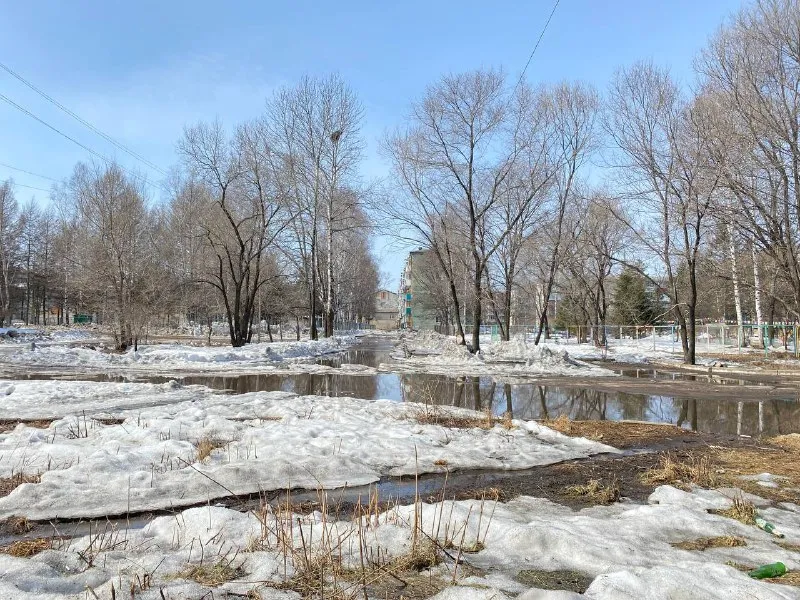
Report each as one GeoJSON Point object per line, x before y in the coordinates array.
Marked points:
{"type": "Point", "coordinates": [768, 527]}
{"type": "Point", "coordinates": [768, 571]}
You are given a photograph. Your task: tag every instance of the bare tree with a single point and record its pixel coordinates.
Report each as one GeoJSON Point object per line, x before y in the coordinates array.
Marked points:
{"type": "Point", "coordinates": [315, 127]}
{"type": "Point", "coordinates": [11, 227]}
{"type": "Point", "coordinates": [108, 213]}
{"type": "Point", "coordinates": [471, 144]}
{"type": "Point", "coordinates": [669, 179]}
{"type": "Point", "coordinates": [241, 213]}
{"type": "Point", "coordinates": [574, 113]}
{"type": "Point", "coordinates": [752, 66]}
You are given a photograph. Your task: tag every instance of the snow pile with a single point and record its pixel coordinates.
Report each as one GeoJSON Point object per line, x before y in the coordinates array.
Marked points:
{"type": "Point", "coordinates": [177, 358]}
{"type": "Point", "coordinates": [264, 441]}
{"type": "Point", "coordinates": [434, 353]}
{"type": "Point", "coordinates": [51, 399]}
{"type": "Point", "coordinates": [428, 342]}
{"type": "Point", "coordinates": [625, 550]}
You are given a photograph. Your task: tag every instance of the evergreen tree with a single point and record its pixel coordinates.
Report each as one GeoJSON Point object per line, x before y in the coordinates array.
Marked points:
{"type": "Point", "coordinates": [632, 303]}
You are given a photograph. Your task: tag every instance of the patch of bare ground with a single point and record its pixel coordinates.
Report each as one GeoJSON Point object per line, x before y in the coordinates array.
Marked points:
{"type": "Point", "coordinates": [212, 575]}
{"type": "Point", "coordinates": [206, 445]}
{"type": "Point", "coordinates": [620, 434]}
{"type": "Point", "coordinates": [11, 424]}
{"type": "Point", "coordinates": [109, 420]}
{"type": "Point", "coordinates": [681, 472]}
{"type": "Point", "coordinates": [573, 581]}
{"type": "Point", "coordinates": [433, 415]}
{"type": "Point", "coordinates": [9, 484]}
{"type": "Point", "coordinates": [704, 543]}
{"type": "Point", "coordinates": [789, 546]}
{"type": "Point", "coordinates": [27, 548]}
{"type": "Point", "coordinates": [595, 492]}
{"type": "Point", "coordinates": [741, 510]}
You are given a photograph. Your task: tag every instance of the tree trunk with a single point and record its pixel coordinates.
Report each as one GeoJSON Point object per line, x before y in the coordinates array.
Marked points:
{"type": "Point", "coordinates": [477, 308]}
{"type": "Point", "coordinates": [757, 290]}
{"type": "Point", "coordinates": [737, 297]}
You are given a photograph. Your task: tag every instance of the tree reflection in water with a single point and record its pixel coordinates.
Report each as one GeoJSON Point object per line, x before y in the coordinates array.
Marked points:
{"type": "Point", "coordinates": [532, 401]}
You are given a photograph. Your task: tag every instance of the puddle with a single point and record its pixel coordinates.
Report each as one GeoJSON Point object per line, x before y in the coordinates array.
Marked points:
{"type": "Point", "coordinates": [663, 375]}
{"type": "Point", "coordinates": [523, 400]}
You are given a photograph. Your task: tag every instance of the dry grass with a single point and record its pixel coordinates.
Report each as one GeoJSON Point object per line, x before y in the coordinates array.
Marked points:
{"type": "Point", "coordinates": [26, 548]}
{"type": "Point", "coordinates": [780, 459]}
{"type": "Point", "coordinates": [10, 424]}
{"type": "Point", "coordinates": [789, 442]}
{"type": "Point", "coordinates": [673, 470]}
{"type": "Point", "coordinates": [704, 543]}
{"type": "Point", "coordinates": [9, 484]}
{"type": "Point", "coordinates": [212, 575]}
{"type": "Point", "coordinates": [595, 492]}
{"type": "Point", "coordinates": [790, 578]}
{"type": "Point", "coordinates": [18, 525]}
{"type": "Point", "coordinates": [205, 446]}
{"type": "Point", "coordinates": [432, 415]}
{"type": "Point", "coordinates": [741, 510]}
{"type": "Point", "coordinates": [789, 546]}
{"type": "Point", "coordinates": [615, 433]}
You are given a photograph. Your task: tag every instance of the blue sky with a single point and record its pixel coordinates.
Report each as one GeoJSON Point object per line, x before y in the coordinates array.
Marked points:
{"type": "Point", "coordinates": [140, 71]}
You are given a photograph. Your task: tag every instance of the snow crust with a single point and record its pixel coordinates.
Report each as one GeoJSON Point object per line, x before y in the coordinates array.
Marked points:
{"type": "Point", "coordinates": [434, 353]}
{"type": "Point", "coordinates": [625, 548]}
{"type": "Point", "coordinates": [266, 441]}
{"type": "Point", "coordinates": [181, 358]}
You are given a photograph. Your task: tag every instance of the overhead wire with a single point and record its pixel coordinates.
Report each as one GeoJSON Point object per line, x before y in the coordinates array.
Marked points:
{"type": "Point", "coordinates": [539, 41]}
{"type": "Point", "coordinates": [28, 172]}
{"type": "Point", "coordinates": [71, 139]}
{"type": "Point", "coordinates": [81, 120]}
{"type": "Point", "coordinates": [30, 187]}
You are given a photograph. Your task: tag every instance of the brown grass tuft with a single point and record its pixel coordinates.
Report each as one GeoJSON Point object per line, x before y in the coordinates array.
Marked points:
{"type": "Point", "coordinates": [790, 578]}
{"type": "Point", "coordinates": [704, 543]}
{"type": "Point", "coordinates": [741, 510]}
{"type": "Point", "coordinates": [672, 470]}
{"type": "Point", "coordinates": [432, 416]}
{"type": "Point", "coordinates": [9, 484]}
{"type": "Point", "coordinates": [26, 548]}
{"type": "Point", "coordinates": [562, 424]}
{"type": "Point", "coordinates": [18, 525]}
{"type": "Point", "coordinates": [595, 492]}
{"type": "Point", "coordinates": [789, 546]}
{"type": "Point", "coordinates": [205, 446]}
{"type": "Point", "coordinates": [212, 575]}
{"type": "Point", "coordinates": [789, 441]}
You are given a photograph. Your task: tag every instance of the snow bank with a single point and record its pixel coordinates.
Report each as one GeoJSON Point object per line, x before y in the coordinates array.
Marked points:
{"type": "Point", "coordinates": [177, 358]}
{"type": "Point", "coordinates": [431, 352]}
{"type": "Point", "coordinates": [266, 441]}
{"type": "Point", "coordinates": [56, 399]}
{"type": "Point", "coordinates": [625, 549]}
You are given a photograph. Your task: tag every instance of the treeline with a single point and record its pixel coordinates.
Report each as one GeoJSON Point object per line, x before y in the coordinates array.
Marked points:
{"type": "Point", "coordinates": [264, 222]}
{"type": "Point", "coordinates": [525, 194]}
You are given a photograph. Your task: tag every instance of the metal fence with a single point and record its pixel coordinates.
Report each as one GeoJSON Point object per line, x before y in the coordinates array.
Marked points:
{"type": "Point", "coordinates": [711, 337]}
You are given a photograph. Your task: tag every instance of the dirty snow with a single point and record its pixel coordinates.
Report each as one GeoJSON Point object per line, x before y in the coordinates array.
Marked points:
{"type": "Point", "coordinates": [166, 359]}
{"type": "Point", "coordinates": [625, 549]}
{"type": "Point", "coordinates": [430, 352]}
{"type": "Point", "coordinates": [267, 441]}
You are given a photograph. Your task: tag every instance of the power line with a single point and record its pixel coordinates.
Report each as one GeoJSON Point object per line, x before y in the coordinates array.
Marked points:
{"type": "Point", "coordinates": [81, 120]}
{"type": "Point", "coordinates": [541, 35]}
{"type": "Point", "coordinates": [71, 139]}
{"type": "Point", "coordinates": [31, 187]}
{"type": "Point", "coordinates": [28, 172]}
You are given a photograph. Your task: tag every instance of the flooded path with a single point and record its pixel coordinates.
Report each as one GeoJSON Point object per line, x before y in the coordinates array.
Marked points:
{"type": "Point", "coordinates": [711, 403]}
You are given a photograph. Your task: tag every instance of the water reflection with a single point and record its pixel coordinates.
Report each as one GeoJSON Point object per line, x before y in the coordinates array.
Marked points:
{"type": "Point", "coordinates": [524, 401]}
{"type": "Point", "coordinates": [532, 401]}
